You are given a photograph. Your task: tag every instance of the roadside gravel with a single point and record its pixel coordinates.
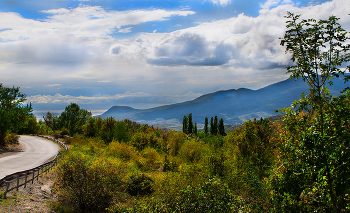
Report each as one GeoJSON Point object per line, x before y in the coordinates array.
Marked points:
{"type": "Point", "coordinates": [34, 198]}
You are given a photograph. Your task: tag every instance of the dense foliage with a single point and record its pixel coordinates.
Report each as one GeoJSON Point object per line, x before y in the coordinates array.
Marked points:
{"type": "Point", "coordinates": [147, 169]}
{"type": "Point", "coordinates": [14, 115]}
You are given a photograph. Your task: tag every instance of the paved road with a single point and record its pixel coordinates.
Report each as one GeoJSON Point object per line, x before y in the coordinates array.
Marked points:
{"type": "Point", "coordinates": [36, 152]}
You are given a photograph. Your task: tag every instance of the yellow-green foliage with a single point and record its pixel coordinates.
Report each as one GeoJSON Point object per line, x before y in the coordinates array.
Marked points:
{"type": "Point", "coordinates": [89, 183]}
{"type": "Point", "coordinates": [254, 144]}
{"type": "Point", "coordinates": [141, 140]}
{"type": "Point", "coordinates": [11, 138]}
{"type": "Point", "coordinates": [121, 150]}
{"type": "Point", "coordinates": [149, 159]}
{"type": "Point", "coordinates": [175, 141]}
{"type": "Point", "coordinates": [43, 129]}
{"type": "Point", "coordinates": [181, 172]}
{"type": "Point", "coordinates": [192, 151]}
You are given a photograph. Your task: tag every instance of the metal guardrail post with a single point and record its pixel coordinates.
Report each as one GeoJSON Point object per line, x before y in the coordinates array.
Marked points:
{"type": "Point", "coordinates": [17, 176]}
{"type": "Point", "coordinates": [37, 177]}
{"type": "Point", "coordinates": [33, 176]}
{"type": "Point", "coordinates": [7, 188]}
{"type": "Point", "coordinates": [25, 181]}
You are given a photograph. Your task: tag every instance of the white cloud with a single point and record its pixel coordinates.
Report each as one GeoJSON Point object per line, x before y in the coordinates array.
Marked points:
{"type": "Point", "coordinates": [53, 85]}
{"type": "Point", "coordinates": [222, 2]}
{"type": "Point", "coordinates": [68, 35]}
{"type": "Point", "coordinates": [86, 21]}
{"type": "Point", "coordinates": [274, 3]}
{"type": "Point", "coordinates": [66, 99]}
{"type": "Point", "coordinates": [153, 100]}
{"type": "Point", "coordinates": [125, 30]}
{"type": "Point", "coordinates": [242, 41]}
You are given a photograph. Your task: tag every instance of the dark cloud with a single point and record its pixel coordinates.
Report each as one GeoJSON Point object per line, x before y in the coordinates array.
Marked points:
{"type": "Point", "coordinates": [116, 50]}
{"type": "Point", "coordinates": [191, 50]}
{"type": "Point", "coordinates": [187, 45]}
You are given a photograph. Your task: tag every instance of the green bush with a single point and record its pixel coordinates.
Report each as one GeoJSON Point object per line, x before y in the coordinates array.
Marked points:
{"type": "Point", "coordinates": [86, 184]}
{"type": "Point", "coordinates": [210, 196]}
{"type": "Point", "coordinates": [191, 151]}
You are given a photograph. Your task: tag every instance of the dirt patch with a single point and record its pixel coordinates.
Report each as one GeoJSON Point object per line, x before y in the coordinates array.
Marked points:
{"type": "Point", "coordinates": [11, 150]}
{"type": "Point", "coordinates": [34, 198]}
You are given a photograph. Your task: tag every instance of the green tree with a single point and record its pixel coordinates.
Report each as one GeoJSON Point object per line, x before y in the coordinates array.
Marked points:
{"type": "Point", "coordinates": [107, 131]}
{"type": "Point", "coordinates": [195, 129]}
{"type": "Point", "coordinates": [89, 128]}
{"type": "Point", "coordinates": [206, 130]}
{"type": "Point", "coordinates": [215, 125]}
{"type": "Point", "coordinates": [221, 127]}
{"type": "Point", "coordinates": [73, 118]}
{"type": "Point", "coordinates": [212, 131]}
{"type": "Point", "coordinates": [13, 112]}
{"type": "Point", "coordinates": [51, 121]}
{"type": "Point", "coordinates": [121, 131]}
{"type": "Point", "coordinates": [184, 124]}
{"type": "Point", "coordinates": [316, 166]}
{"type": "Point", "coordinates": [190, 124]}
{"type": "Point", "coordinates": [30, 125]}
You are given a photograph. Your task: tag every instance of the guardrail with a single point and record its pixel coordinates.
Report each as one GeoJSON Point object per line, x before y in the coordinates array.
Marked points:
{"type": "Point", "coordinates": [21, 178]}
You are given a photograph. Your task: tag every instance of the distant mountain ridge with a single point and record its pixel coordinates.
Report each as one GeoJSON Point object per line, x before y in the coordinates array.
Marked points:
{"type": "Point", "coordinates": [234, 105]}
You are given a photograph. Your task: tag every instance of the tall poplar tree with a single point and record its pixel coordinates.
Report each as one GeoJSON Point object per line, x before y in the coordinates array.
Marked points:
{"type": "Point", "coordinates": [221, 127]}
{"type": "Point", "coordinates": [206, 130]}
{"type": "Point", "coordinates": [190, 124]}
{"type": "Point", "coordinates": [184, 124]}
{"type": "Point", "coordinates": [215, 126]}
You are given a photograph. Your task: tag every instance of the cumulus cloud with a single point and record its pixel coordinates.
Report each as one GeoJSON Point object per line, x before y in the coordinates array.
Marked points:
{"type": "Point", "coordinates": [69, 35]}
{"type": "Point", "coordinates": [240, 42]}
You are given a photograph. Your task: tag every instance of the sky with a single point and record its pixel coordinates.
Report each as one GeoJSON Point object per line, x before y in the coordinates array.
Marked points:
{"type": "Point", "coordinates": [145, 53]}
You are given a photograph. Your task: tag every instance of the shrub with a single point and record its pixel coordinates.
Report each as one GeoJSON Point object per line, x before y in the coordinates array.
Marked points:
{"type": "Point", "coordinates": [149, 159]}
{"type": "Point", "coordinates": [211, 196]}
{"type": "Point", "coordinates": [85, 185]}
{"type": "Point", "coordinates": [121, 150]}
{"type": "Point", "coordinates": [64, 131]}
{"type": "Point", "coordinates": [175, 141]}
{"type": "Point", "coordinates": [191, 151]}
{"type": "Point", "coordinates": [56, 134]}
{"type": "Point", "coordinates": [140, 185]}
{"type": "Point", "coordinates": [169, 165]}
{"type": "Point", "coordinates": [11, 138]}
{"type": "Point", "coordinates": [141, 140]}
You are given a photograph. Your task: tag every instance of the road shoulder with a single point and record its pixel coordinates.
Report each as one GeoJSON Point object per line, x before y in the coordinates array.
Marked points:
{"type": "Point", "coordinates": [11, 150]}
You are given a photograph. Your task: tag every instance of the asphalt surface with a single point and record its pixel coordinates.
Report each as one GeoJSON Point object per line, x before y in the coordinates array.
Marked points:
{"type": "Point", "coordinates": [36, 152]}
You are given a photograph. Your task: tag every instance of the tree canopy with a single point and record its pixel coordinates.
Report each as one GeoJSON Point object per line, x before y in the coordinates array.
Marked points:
{"type": "Point", "coordinates": [315, 175]}
{"type": "Point", "coordinates": [13, 111]}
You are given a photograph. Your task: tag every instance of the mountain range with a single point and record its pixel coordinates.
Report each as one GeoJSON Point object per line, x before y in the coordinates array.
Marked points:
{"type": "Point", "coordinates": [234, 105]}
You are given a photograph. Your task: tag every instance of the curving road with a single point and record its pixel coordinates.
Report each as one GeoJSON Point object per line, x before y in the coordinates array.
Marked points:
{"type": "Point", "coordinates": [36, 152]}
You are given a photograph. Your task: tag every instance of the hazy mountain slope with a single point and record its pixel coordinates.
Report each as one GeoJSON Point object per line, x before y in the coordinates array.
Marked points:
{"type": "Point", "coordinates": [235, 106]}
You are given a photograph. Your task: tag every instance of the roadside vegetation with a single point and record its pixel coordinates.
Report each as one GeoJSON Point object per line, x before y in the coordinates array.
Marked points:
{"type": "Point", "coordinates": [300, 163]}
